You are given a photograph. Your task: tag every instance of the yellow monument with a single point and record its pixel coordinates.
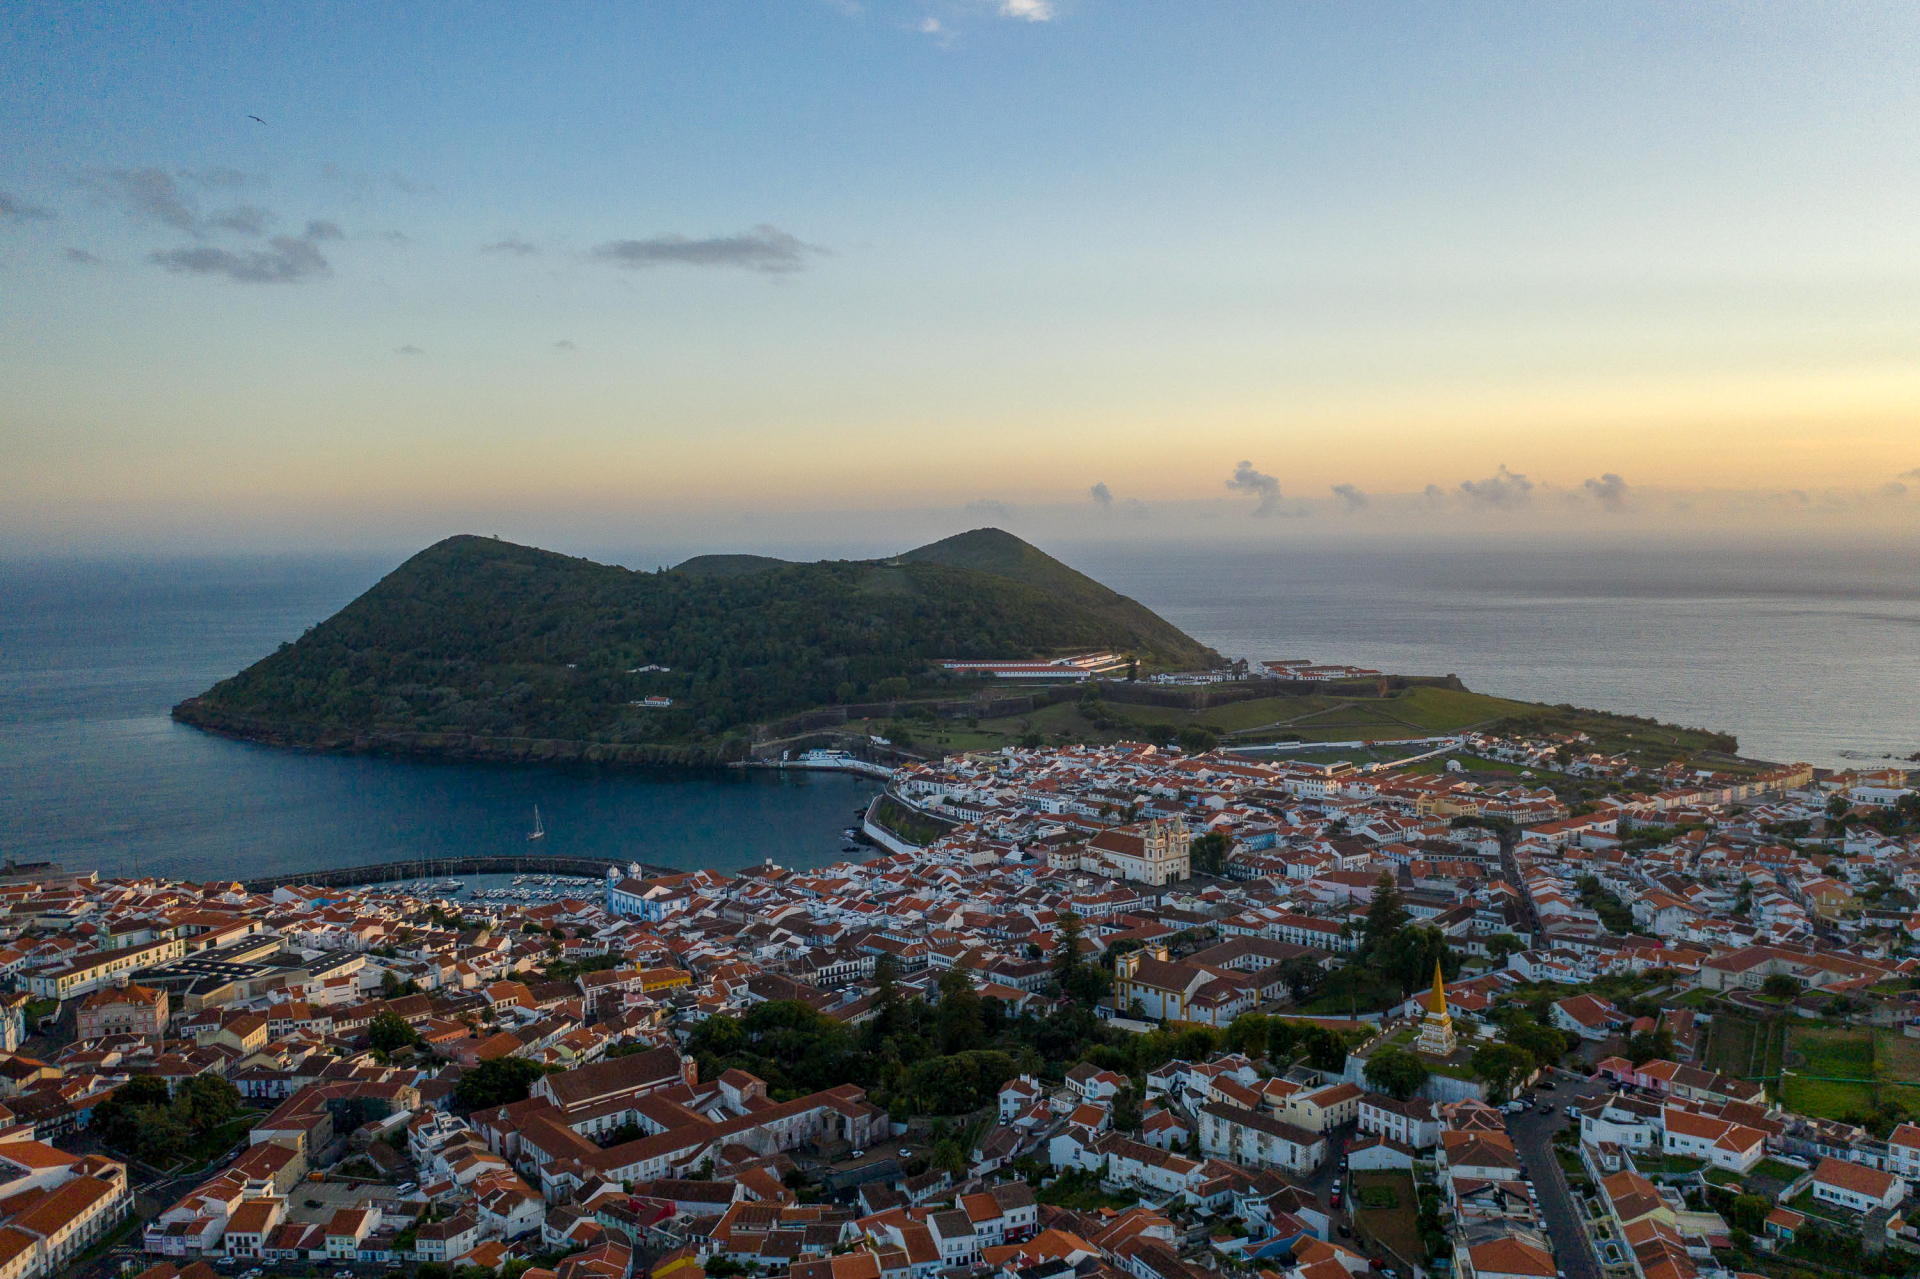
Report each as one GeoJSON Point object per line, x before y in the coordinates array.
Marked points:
{"type": "Point", "coordinates": [1436, 1028]}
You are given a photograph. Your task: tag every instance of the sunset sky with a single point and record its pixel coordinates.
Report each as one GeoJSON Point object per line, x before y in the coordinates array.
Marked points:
{"type": "Point", "coordinates": [1073, 265]}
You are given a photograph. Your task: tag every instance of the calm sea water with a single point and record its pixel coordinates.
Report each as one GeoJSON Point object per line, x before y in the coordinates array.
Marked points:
{"type": "Point", "coordinates": [1803, 655]}
{"type": "Point", "coordinates": [94, 774]}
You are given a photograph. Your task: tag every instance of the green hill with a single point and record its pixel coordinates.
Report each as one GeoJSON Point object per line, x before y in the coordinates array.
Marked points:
{"type": "Point", "coordinates": [729, 565]}
{"type": "Point", "coordinates": [476, 642]}
{"type": "Point", "coordinates": [989, 550]}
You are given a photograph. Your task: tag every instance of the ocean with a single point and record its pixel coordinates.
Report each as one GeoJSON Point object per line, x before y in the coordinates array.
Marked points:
{"type": "Point", "coordinates": [1808, 654]}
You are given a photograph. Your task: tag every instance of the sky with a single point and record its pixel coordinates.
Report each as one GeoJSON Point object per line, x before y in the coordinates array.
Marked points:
{"type": "Point", "coordinates": [351, 276]}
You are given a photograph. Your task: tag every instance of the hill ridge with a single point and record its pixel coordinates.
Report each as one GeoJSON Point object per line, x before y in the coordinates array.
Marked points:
{"type": "Point", "coordinates": [474, 637]}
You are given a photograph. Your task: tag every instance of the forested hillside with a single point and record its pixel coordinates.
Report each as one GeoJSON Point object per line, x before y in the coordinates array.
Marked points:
{"type": "Point", "coordinates": [480, 637]}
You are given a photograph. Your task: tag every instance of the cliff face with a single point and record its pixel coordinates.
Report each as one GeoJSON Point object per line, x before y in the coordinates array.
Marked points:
{"type": "Point", "coordinates": [480, 649]}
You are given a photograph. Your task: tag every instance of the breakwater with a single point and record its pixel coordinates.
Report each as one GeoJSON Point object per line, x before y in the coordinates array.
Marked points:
{"type": "Point", "coordinates": [441, 867]}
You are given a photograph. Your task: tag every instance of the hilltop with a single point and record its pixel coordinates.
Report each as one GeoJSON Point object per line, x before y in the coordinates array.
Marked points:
{"type": "Point", "coordinates": [479, 647]}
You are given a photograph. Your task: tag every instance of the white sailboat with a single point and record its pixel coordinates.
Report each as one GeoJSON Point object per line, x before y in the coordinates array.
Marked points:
{"type": "Point", "coordinates": [538, 831]}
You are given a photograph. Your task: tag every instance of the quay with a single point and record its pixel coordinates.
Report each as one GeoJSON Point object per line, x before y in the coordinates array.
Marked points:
{"type": "Point", "coordinates": [442, 867]}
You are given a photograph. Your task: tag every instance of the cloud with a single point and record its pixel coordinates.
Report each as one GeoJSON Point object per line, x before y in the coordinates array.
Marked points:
{"type": "Point", "coordinates": [399, 239]}
{"type": "Point", "coordinates": [1501, 491]}
{"type": "Point", "coordinates": [1609, 490]}
{"type": "Point", "coordinates": [408, 349]}
{"type": "Point", "coordinates": [12, 210]}
{"type": "Point", "coordinates": [566, 344]}
{"type": "Point", "coordinates": [1102, 495]}
{"type": "Point", "coordinates": [172, 199]}
{"type": "Point", "coordinates": [286, 260]}
{"type": "Point", "coordinates": [1435, 495]}
{"type": "Point", "coordinates": [1027, 10]}
{"type": "Point", "coordinates": [512, 246]}
{"type": "Point", "coordinates": [247, 219]}
{"type": "Point", "coordinates": [1134, 509]}
{"type": "Point", "coordinates": [990, 508]}
{"type": "Point", "coordinates": [1914, 474]}
{"type": "Point", "coordinates": [1350, 497]}
{"type": "Point", "coordinates": [82, 256]}
{"type": "Point", "coordinates": [1247, 480]}
{"type": "Point", "coordinates": [148, 193]}
{"type": "Point", "coordinates": [1893, 489]}
{"type": "Point", "coordinates": [765, 248]}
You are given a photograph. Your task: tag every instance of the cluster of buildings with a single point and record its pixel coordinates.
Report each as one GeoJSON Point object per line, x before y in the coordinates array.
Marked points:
{"type": "Point", "coordinates": [1204, 883]}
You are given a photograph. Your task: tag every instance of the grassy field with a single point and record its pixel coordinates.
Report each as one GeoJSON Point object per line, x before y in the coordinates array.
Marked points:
{"type": "Point", "coordinates": [1745, 1047]}
{"type": "Point", "coordinates": [1896, 1061]}
{"type": "Point", "coordinates": [1837, 1055]}
{"type": "Point", "coordinates": [1398, 1228]}
{"type": "Point", "coordinates": [1409, 713]}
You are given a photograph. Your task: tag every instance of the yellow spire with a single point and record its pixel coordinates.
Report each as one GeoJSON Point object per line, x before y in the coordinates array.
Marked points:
{"type": "Point", "coordinates": [1437, 1002]}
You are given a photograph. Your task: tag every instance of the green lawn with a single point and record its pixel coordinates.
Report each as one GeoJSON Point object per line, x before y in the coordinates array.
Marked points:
{"type": "Point", "coordinates": [1783, 1173]}
{"type": "Point", "coordinates": [1838, 1056]}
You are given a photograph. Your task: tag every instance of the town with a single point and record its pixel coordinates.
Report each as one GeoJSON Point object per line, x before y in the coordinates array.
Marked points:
{"type": "Point", "coordinates": [1507, 1008]}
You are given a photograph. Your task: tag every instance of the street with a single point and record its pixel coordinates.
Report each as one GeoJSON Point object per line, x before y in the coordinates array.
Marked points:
{"type": "Point", "coordinates": [1533, 1132]}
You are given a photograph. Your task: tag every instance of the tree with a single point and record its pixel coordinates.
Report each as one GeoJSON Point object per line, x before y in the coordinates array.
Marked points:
{"type": "Point", "coordinates": [1303, 975]}
{"type": "Point", "coordinates": [1749, 1212]}
{"type": "Point", "coordinates": [1248, 1034]}
{"type": "Point", "coordinates": [1500, 1067]}
{"type": "Point", "coordinates": [1651, 1045]}
{"type": "Point", "coordinates": [1780, 986]}
{"type": "Point", "coordinates": [1126, 1111]}
{"type": "Point", "coordinates": [1500, 945]}
{"type": "Point", "coordinates": [207, 1101]}
{"type": "Point", "coordinates": [1076, 978]}
{"type": "Point", "coordinates": [886, 994]}
{"type": "Point", "coordinates": [1195, 740]}
{"type": "Point", "coordinates": [1386, 914]}
{"type": "Point", "coordinates": [1543, 1043]}
{"type": "Point", "coordinates": [959, 1013]}
{"type": "Point", "coordinates": [499, 1082]}
{"type": "Point", "coordinates": [389, 1032]}
{"type": "Point", "coordinates": [1409, 956]}
{"type": "Point", "coordinates": [1396, 1073]}
{"type": "Point", "coordinates": [1325, 1050]}
{"type": "Point", "coordinates": [1208, 853]}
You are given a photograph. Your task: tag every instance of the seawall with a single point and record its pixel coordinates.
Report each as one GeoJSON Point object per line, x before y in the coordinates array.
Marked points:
{"type": "Point", "coordinates": [441, 867]}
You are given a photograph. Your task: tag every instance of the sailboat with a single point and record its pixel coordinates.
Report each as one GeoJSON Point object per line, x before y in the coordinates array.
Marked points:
{"type": "Point", "coordinates": [538, 831]}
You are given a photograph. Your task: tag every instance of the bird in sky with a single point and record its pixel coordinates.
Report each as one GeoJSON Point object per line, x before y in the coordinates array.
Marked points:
{"type": "Point", "coordinates": [256, 119]}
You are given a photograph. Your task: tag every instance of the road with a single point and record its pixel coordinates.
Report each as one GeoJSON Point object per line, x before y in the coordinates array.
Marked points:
{"type": "Point", "coordinates": [1533, 1132]}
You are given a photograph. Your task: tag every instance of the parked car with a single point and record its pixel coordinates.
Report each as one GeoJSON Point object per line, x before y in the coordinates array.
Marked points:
{"type": "Point", "coordinates": [906, 1152]}
{"type": "Point", "coordinates": [1546, 1085]}
{"type": "Point", "coordinates": [858, 1154]}
{"type": "Point", "coordinates": [1346, 1231]}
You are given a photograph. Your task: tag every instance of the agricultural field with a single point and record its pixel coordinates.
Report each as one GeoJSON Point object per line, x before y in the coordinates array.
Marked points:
{"type": "Point", "coordinates": [1896, 1065]}
{"type": "Point", "coordinates": [1745, 1047]}
{"type": "Point", "coordinates": [1824, 1063]}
